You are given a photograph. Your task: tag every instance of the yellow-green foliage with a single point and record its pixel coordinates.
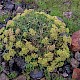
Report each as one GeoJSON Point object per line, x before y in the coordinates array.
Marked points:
{"type": "Point", "coordinates": [40, 38]}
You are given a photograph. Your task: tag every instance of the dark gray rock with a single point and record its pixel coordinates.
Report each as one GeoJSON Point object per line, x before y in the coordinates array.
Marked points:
{"type": "Point", "coordinates": [1, 25]}
{"type": "Point", "coordinates": [17, 64]}
{"type": "Point", "coordinates": [36, 74]}
{"type": "Point", "coordinates": [9, 6]}
{"type": "Point", "coordinates": [20, 62]}
{"type": "Point", "coordinates": [11, 64]}
{"type": "Point", "coordinates": [67, 69]}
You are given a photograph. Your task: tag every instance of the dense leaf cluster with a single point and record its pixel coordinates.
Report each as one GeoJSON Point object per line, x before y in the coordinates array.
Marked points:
{"type": "Point", "coordinates": [39, 38]}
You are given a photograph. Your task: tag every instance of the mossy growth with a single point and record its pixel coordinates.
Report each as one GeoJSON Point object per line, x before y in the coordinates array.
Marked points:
{"type": "Point", "coordinates": [3, 17]}
{"type": "Point", "coordinates": [1, 68]}
{"type": "Point", "coordinates": [40, 38]}
{"type": "Point", "coordinates": [12, 75]}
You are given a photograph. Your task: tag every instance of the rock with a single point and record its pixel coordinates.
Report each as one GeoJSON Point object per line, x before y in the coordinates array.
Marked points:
{"type": "Point", "coordinates": [3, 77]}
{"type": "Point", "coordinates": [77, 56]}
{"type": "Point", "coordinates": [19, 10]}
{"type": "Point", "coordinates": [36, 74]}
{"type": "Point", "coordinates": [4, 68]}
{"type": "Point", "coordinates": [9, 6]}
{"type": "Point", "coordinates": [3, 64]}
{"type": "Point", "coordinates": [67, 69]}
{"type": "Point", "coordinates": [17, 64]}
{"type": "Point", "coordinates": [1, 25]}
{"type": "Point", "coordinates": [67, 14]}
{"type": "Point", "coordinates": [65, 75]}
{"type": "Point", "coordinates": [60, 19]}
{"type": "Point", "coordinates": [1, 12]}
{"type": "Point", "coordinates": [18, 5]}
{"type": "Point", "coordinates": [74, 63]}
{"type": "Point", "coordinates": [76, 74]}
{"type": "Point", "coordinates": [11, 64]}
{"type": "Point", "coordinates": [21, 77]}
{"type": "Point", "coordinates": [75, 44]}
{"type": "Point", "coordinates": [1, 6]}
{"type": "Point", "coordinates": [43, 78]}
{"type": "Point", "coordinates": [1, 2]}
{"type": "Point", "coordinates": [67, 2]}
{"type": "Point", "coordinates": [20, 62]}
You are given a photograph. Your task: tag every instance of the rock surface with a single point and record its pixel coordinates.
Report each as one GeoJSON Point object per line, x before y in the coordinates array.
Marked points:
{"type": "Point", "coordinates": [76, 74]}
{"type": "Point", "coordinates": [19, 10]}
{"type": "Point", "coordinates": [36, 74]}
{"type": "Point", "coordinates": [65, 75]}
{"type": "Point", "coordinates": [21, 77]}
{"type": "Point", "coordinates": [1, 25]}
{"type": "Point", "coordinates": [67, 69]}
{"type": "Point", "coordinates": [20, 62]}
{"type": "Point", "coordinates": [9, 6]}
{"type": "Point", "coordinates": [67, 14]}
{"type": "Point", "coordinates": [77, 56]}
{"type": "Point", "coordinates": [3, 77]}
{"type": "Point", "coordinates": [43, 78]}
{"type": "Point", "coordinates": [1, 6]}
{"type": "Point", "coordinates": [74, 63]}
{"type": "Point", "coordinates": [75, 45]}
